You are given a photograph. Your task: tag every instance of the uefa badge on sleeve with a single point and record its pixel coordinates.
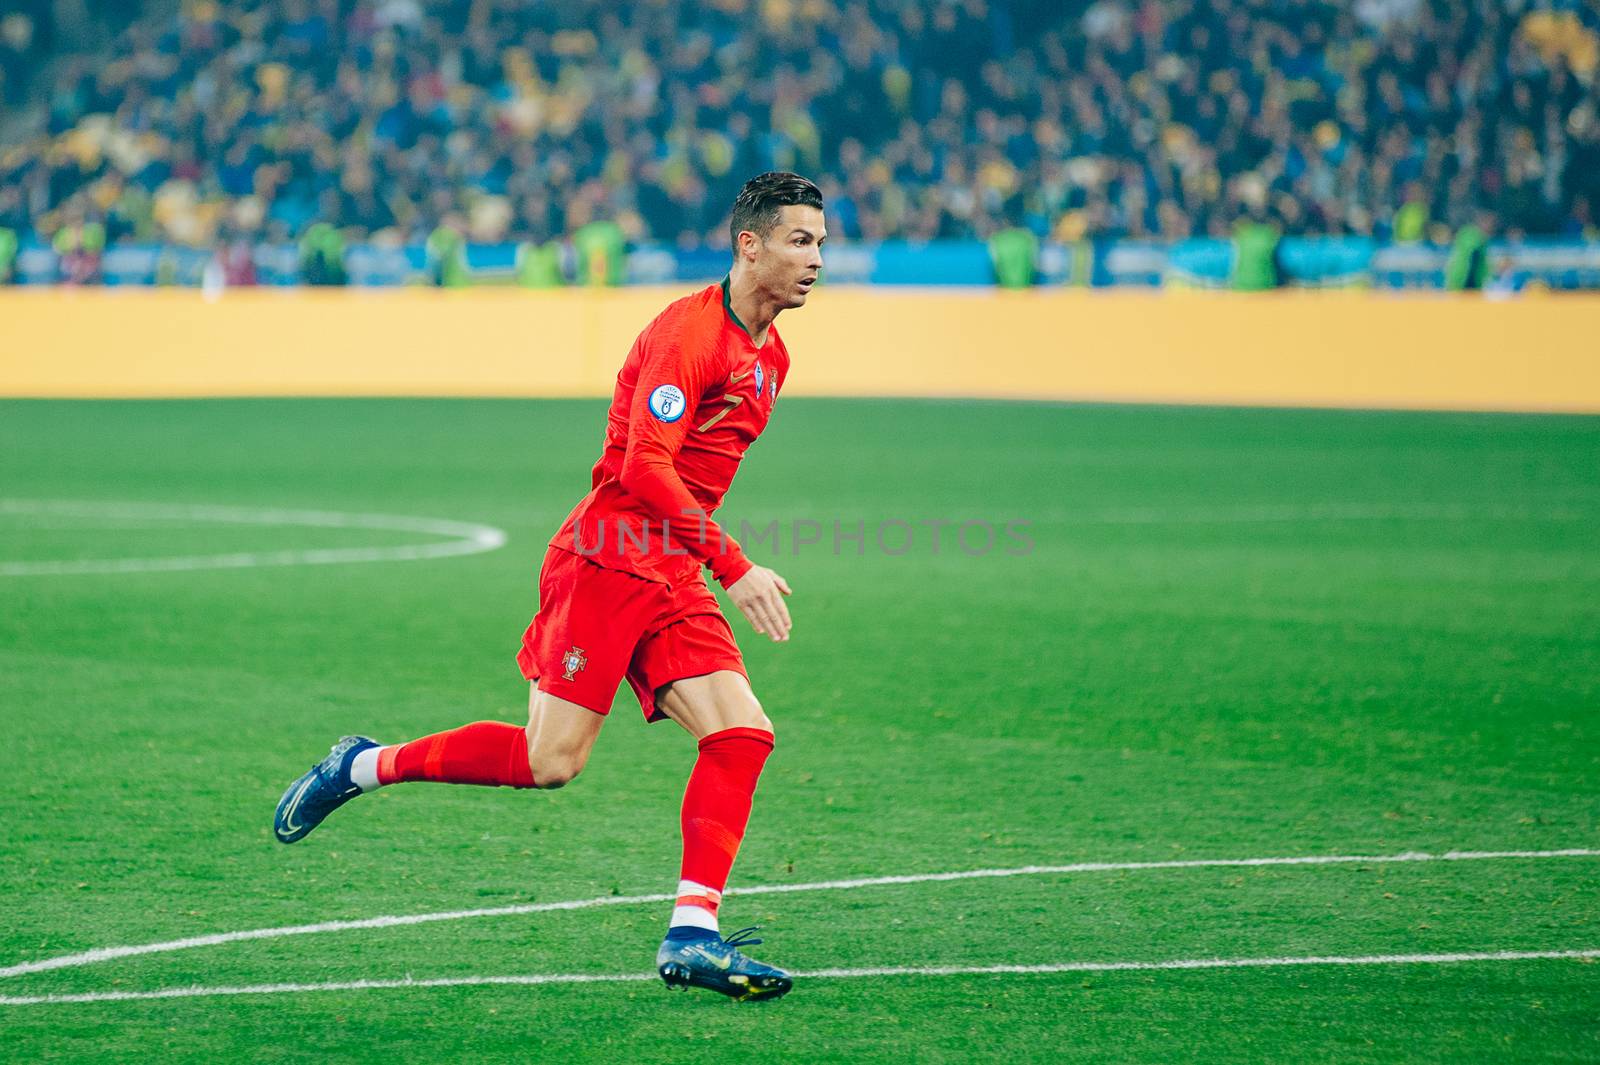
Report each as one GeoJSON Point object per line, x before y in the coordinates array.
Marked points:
{"type": "Point", "coordinates": [667, 403]}
{"type": "Point", "coordinates": [761, 378]}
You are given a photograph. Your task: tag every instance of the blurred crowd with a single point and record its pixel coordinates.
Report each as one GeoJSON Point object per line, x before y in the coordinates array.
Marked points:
{"type": "Point", "coordinates": [203, 123]}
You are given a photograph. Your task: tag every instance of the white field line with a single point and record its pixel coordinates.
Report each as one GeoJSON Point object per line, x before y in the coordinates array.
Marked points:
{"type": "Point", "coordinates": [105, 954]}
{"type": "Point", "coordinates": [463, 538]}
{"type": "Point", "coordinates": [1265, 513]}
{"type": "Point", "coordinates": [534, 979]}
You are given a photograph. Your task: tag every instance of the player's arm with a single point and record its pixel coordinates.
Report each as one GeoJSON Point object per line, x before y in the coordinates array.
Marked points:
{"type": "Point", "coordinates": [656, 434]}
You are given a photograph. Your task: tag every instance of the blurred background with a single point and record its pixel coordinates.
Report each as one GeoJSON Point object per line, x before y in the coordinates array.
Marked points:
{"type": "Point", "coordinates": [1236, 143]}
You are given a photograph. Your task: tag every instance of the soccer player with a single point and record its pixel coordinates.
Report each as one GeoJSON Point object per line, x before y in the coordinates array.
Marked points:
{"type": "Point", "coordinates": [621, 593]}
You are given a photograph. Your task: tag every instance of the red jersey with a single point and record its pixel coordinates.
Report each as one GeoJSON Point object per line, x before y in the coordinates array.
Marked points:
{"type": "Point", "coordinates": [693, 395]}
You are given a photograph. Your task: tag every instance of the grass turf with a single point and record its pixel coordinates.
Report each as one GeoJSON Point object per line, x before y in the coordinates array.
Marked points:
{"type": "Point", "coordinates": [1238, 633]}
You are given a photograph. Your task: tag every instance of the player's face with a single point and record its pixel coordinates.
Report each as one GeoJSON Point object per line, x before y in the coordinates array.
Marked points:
{"type": "Point", "coordinates": [790, 258]}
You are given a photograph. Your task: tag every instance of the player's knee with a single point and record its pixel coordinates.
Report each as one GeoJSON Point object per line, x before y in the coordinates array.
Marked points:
{"type": "Point", "coordinates": [554, 771]}
{"type": "Point", "coordinates": [746, 712]}
{"type": "Point", "coordinates": [555, 767]}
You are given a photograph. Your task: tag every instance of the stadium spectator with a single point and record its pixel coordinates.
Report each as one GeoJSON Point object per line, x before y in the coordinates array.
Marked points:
{"type": "Point", "coordinates": [446, 249]}
{"type": "Point", "coordinates": [8, 255]}
{"type": "Point", "coordinates": [80, 245]}
{"type": "Point", "coordinates": [236, 262]}
{"type": "Point", "coordinates": [1120, 118]}
{"type": "Point", "coordinates": [322, 256]}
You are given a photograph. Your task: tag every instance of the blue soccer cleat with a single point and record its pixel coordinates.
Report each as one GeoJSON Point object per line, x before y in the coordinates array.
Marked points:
{"type": "Point", "coordinates": [716, 963]}
{"type": "Point", "coordinates": [325, 787]}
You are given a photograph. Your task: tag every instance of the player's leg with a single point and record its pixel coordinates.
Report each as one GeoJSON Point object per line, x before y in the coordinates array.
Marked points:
{"type": "Point", "coordinates": [713, 703]}
{"type": "Point", "coordinates": [580, 605]}
{"type": "Point", "coordinates": [546, 753]}
{"type": "Point", "coordinates": [721, 712]}
{"type": "Point", "coordinates": [560, 736]}
{"type": "Point", "coordinates": [551, 750]}
{"type": "Point", "coordinates": [735, 737]}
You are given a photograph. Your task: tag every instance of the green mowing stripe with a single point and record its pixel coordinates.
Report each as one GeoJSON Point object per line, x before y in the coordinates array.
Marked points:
{"type": "Point", "coordinates": [535, 979]}
{"type": "Point", "coordinates": [105, 954]}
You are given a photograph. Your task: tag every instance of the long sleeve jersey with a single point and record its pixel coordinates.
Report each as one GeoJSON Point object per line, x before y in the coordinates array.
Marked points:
{"type": "Point", "coordinates": [693, 395]}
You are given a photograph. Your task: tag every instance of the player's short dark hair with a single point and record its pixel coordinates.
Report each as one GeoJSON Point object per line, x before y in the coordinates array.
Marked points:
{"type": "Point", "coordinates": [763, 199]}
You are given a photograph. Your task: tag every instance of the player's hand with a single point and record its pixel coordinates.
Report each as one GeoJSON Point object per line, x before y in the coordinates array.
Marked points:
{"type": "Point", "coordinates": [759, 597]}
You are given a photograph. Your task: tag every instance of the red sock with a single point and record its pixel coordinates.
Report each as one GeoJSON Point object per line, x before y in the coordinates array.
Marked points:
{"type": "Point", "coordinates": [716, 809]}
{"type": "Point", "coordinates": [484, 752]}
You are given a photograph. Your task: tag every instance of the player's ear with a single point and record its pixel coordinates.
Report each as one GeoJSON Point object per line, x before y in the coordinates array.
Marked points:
{"type": "Point", "coordinates": [749, 244]}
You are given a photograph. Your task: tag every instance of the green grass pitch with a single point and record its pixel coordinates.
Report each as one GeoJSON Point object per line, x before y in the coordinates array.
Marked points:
{"type": "Point", "coordinates": [1238, 634]}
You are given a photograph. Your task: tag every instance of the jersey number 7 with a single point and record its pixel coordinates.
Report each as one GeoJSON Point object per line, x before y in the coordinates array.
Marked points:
{"type": "Point", "coordinates": [731, 401]}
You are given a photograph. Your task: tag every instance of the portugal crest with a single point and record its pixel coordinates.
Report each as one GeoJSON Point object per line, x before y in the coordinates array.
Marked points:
{"type": "Point", "coordinates": [573, 661]}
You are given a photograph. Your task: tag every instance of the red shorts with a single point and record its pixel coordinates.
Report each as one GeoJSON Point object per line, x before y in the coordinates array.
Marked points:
{"type": "Point", "coordinates": [597, 625]}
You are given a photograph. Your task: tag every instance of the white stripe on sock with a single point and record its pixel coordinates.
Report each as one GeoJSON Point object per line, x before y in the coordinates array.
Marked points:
{"type": "Point", "coordinates": [364, 769]}
{"type": "Point", "coordinates": [689, 887]}
{"type": "Point", "coordinates": [695, 916]}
